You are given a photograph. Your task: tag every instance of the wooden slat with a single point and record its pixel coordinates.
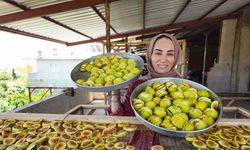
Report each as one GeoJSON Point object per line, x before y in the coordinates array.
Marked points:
{"type": "Point", "coordinates": [89, 118]}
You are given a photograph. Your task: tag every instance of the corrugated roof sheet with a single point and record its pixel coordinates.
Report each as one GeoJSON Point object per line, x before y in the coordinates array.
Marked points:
{"type": "Point", "coordinates": [125, 16]}
{"type": "Point", "coordinates": [196, 9]}
{"type": "Point", "coordinates": [39, 3]}
{"type": "Point", "coordinates": [7, 9]}
{"type": "Point", "coordinates": [162, 12]}
{"type": "Point", "coordinates": [228, 7]}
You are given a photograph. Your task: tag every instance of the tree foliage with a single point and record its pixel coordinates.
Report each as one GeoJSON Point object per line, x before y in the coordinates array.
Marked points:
{"type": "Point", "coordinates": [5, 76]}
{"type": "Point", "coordinates": [14, 92]}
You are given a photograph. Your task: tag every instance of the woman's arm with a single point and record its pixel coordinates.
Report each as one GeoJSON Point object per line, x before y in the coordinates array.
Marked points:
{"type": "Point", "coordinates": [123, 108]}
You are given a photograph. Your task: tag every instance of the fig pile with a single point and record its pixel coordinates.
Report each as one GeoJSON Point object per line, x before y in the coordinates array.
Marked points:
{"type": "Point", "coordinates": [108, 70]}
{"type": "Point", "coordinates": [58, 135]}
{"type": "Point", "coordinates": [223, 137]}
{"type": "Point", "coordinates": [176, 107]}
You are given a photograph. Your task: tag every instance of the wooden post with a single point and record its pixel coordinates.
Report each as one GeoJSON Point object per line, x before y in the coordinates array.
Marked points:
{"type": "Point", "coordinates": [29, 95]}
{"type": "Point", "coordinates": [183, 58]}
{"type": "Point", "coordinates": [126, 45]}
{"type": "Point", "coordinates": [107, 14]}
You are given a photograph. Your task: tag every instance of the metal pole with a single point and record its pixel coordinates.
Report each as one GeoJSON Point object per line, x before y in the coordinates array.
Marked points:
{"type": "Point", "coordinates": [107, 14]}
{"type": "Point", "coordinates": [204, 59]}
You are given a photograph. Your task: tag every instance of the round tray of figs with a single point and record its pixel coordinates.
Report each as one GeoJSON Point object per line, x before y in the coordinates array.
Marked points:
{"type": "Point", "coordinates": [107, 72]}
{"type": "Point", "coordinates": [176, 107]}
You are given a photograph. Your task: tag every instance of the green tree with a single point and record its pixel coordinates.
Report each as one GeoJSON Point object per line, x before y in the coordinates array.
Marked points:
{"type": "Point", "coordinates": [5, 76]}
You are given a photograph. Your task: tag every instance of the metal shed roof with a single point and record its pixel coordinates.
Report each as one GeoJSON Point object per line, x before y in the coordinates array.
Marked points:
{"type": "Point", "coordinates": [75, 22]}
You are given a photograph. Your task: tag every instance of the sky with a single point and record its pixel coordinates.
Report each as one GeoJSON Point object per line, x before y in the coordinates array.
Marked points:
{"type": "Point", "coordinates": [19, 51]}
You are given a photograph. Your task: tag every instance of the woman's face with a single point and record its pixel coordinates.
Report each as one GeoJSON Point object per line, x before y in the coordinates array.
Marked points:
{"type": "Point", "coordinates": [162, 57]}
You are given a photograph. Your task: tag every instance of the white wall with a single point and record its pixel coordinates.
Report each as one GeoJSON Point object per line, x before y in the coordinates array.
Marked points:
{"type": "Point", "coordinates": [53, 72]}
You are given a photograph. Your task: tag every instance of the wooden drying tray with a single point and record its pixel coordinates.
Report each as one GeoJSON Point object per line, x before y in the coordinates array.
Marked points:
{"type": "Point", "coordinates": [99, 119]}
{"type": "Point", "coordinates": [165, 141]}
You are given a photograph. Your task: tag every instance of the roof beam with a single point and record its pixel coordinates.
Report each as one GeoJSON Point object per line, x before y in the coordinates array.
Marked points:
{"type": "Point", "coordinates": [31, 35]}
{"type": "Point", "coordinates": [179, 13]}
{"type": "Point", "coordinates": [102, 17]}
{"type": "Point", "coordinates": [65, 26]}
{"type": "Point", "coordinates": [211, 10]}
{"type": "Point", "coordinates": [188, 24]}
{"type": "Point", "coordinates": [43, 11]}
{"type": "Point", "coordinates": [46, 18]}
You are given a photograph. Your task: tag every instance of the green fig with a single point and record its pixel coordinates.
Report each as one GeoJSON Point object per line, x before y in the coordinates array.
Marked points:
{"type": "Point", "coordinates": [195, 113]}
{"type": "Point", "coordinates": [171, 86]}
{"type": "Point", "coordinates": [150, 104]}
{"type": "Point", "coordinates": [211, 112]}
{"type": "Point", "coordinates": [203, 93]}
{"type": "Point", "coordinates": [160, 93]}
{"type": "Point", "coordinates": [165, 103]}
{"type": "Point", "coordinates": [178, 121]}
{"type": "Point", "coordinates": [160, 112]}
{"type": "Point", "coordinates": [188, 126]}
{"type": "Point", "coordinates": [190, 94]}
{"type": "Point", "coordinates": [150, 90]}
{"type": "Point", "coordinates": [202, 105]}
{"type": "Point", "coordinates": [177, 95]}
{"type": "Point", "coordinates": [155, 120]}
{"type": "Point", "coordinates": [145, 112]}
{"type": "Point", "coordinates": [157, 100]}
{"type": "Point", "coordinates": [138, 104]}
{"type": "Point", "coordinates": [172, 110]}
{"type": "Point", "coordinates": [183, 87]}
{"type": "Point", "coordinates": [145, 96]}
{"type": "Point", "coordinates": [208, 120]}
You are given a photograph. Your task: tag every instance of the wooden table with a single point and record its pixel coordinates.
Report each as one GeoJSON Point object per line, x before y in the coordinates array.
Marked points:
{"type": "Point", "coordinates": [167, 142]}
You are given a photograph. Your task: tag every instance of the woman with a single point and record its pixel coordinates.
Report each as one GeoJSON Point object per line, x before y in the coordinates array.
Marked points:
{"type": "Point", "coordinates": [162, 57]}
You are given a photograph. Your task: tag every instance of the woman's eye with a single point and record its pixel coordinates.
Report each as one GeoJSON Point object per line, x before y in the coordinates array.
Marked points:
{"type": "Point", "coordinates": [170, 54]}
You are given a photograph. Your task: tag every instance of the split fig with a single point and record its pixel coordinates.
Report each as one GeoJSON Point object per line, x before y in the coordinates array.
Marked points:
{"type": "Point", "coordinates": [98, 140]}
{"type": "Point", "coordinates": [53, 140]}
{"type": "Point", "coordinates": [9, 141]}
{"type": "Point", "coordinates": [60, 146]}
{"type": "Point", "coordinates": [246, 128]}
{"type": "Point", "coordinates": [31, 146]}
{"type": "Point", "coordinates": [109, 145]}
{"type": "Point", "coordinates": [65, 137]}
{"type": "Point", "coordinates": [72, 144]}
{"type": "Point", "coordinates": [204, 137]}
{"type": "Point", "coordinates": [130, 147]}
{"type": "Point", "coordinates": [224, 144]}
{"type": "Point", "coordinates": [86, 143]}
{"type": "Point", "coordinates": [223, 136]}
{"type": "Point", "coordinates": [120, 134]}
{"type": "Point", "coordinates": [87, 133]}
{"type": "Point", "coordinates": [240, 140]}
{"type": "Point", "coordinates": [130, 127]}
{"type": "Point", "coordinates": [100, 147]}
{"type": "Point", "coordinates": [70, 131]}
{"type": "Point", "coordinates": [157, 147]}
{"type": "Point", "coordinates": [214, 137]}
{"type": "Point", "coordinates": [211, 144]}
{"type": "Point", "coordinates": [43, 147]}
{"type": "Point", "coordinates": [245, 147]}
{"type": "Point", "coordinates": [111, 140]}
{"type": "Point", "coordinates": [119, 145]}
{"type": "Point", "coordinates": [234, 145]}
{"type": "Point", "coordinates": [190, 138]}
{"type": "Point", "coordinates": [198, 144]}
